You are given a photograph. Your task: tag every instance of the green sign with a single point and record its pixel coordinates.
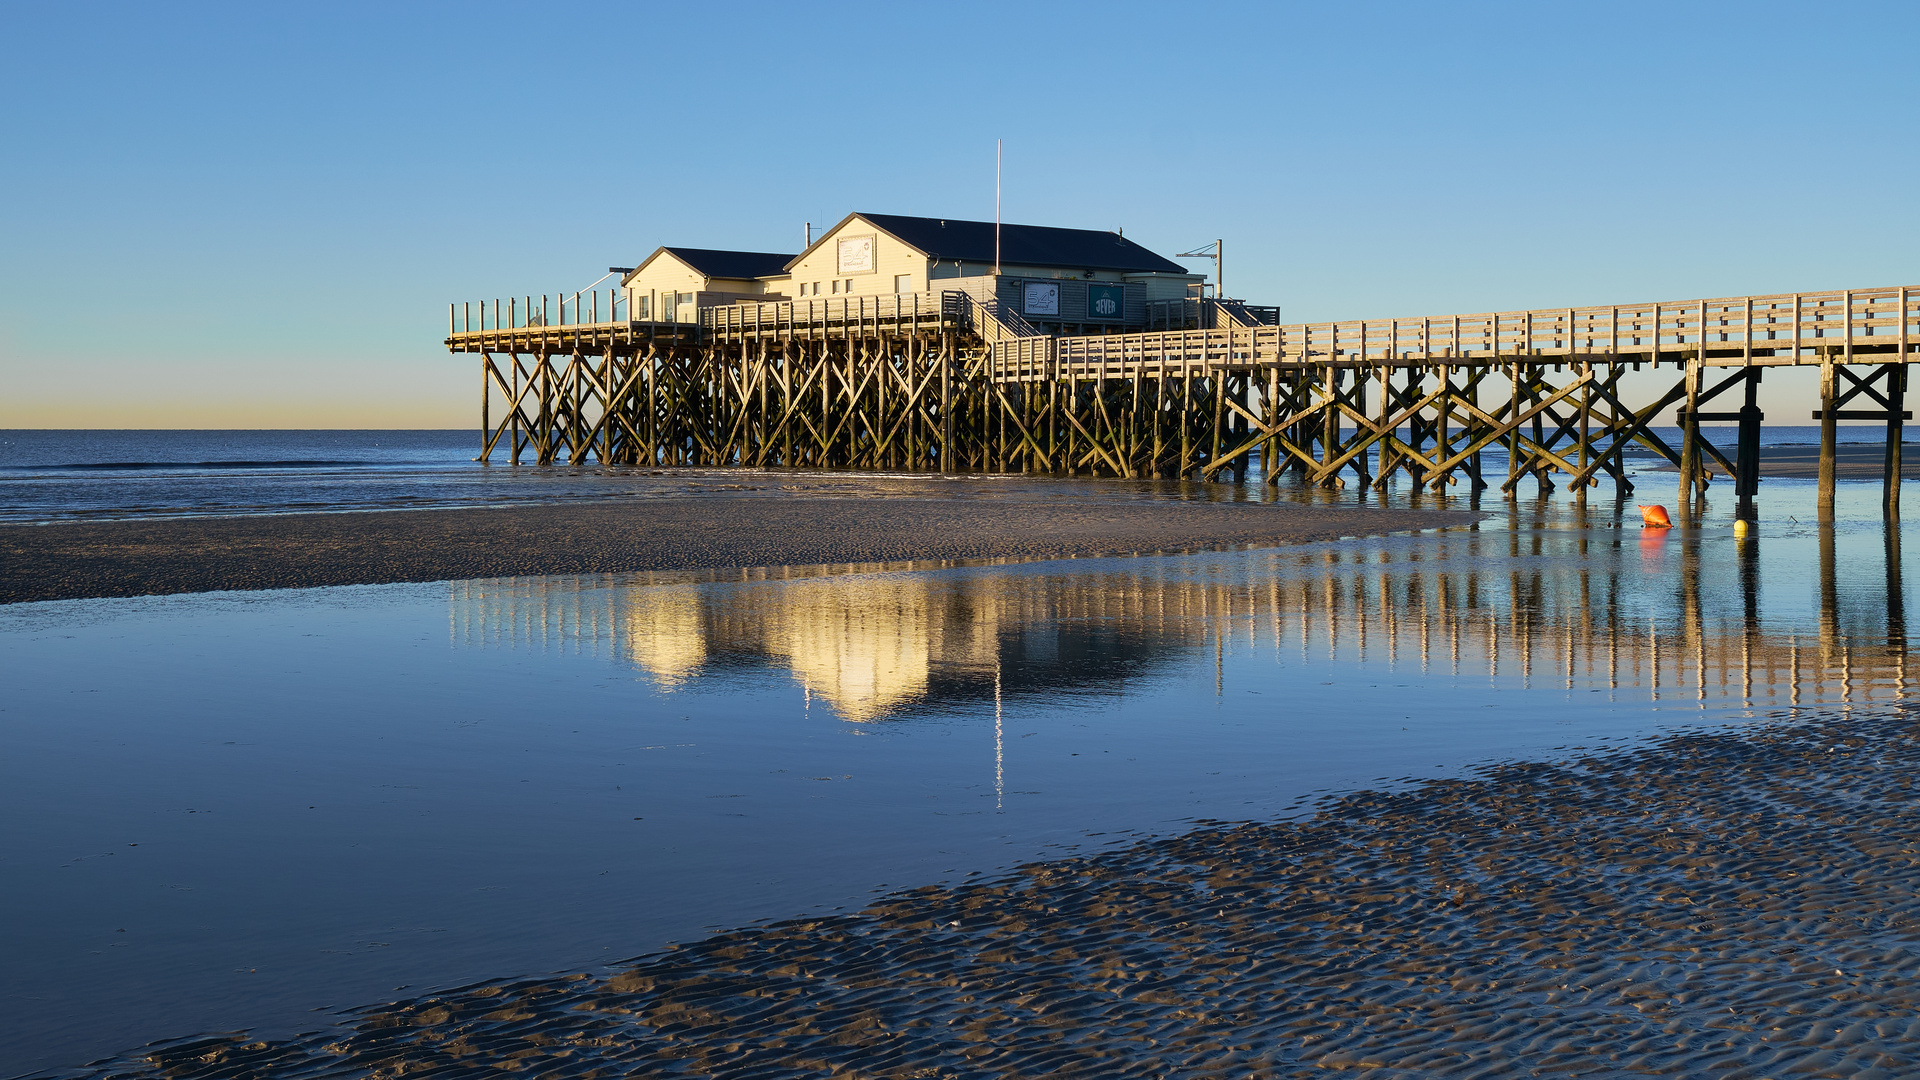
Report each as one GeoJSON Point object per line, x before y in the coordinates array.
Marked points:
{"type": "Point", "coordinates": [1106, 302]}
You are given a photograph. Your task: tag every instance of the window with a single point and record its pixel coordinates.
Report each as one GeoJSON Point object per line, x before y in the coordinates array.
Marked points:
{"type": "Point", "coordinates": [903, 283]}
{"type": "Point", "coordinates": [644, 308]}
{"type": "Point", "coordinates": [836, 285]}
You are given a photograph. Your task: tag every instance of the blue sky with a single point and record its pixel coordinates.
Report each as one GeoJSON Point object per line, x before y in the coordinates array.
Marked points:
{"type": "Point", "coordinates": [254, 215]}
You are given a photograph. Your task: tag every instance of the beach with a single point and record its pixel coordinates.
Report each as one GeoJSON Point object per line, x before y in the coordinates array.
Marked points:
{"type": "Point", "coordinates": [730, 526]}
{"type": "Point", "coordinates": [1733, 903]}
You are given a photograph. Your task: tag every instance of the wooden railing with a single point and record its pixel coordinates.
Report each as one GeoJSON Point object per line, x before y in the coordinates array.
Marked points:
{"type": "Point", "coordinates": [992, 320]}
{"type": "Point", "coordinates": [582, 308]}
{"type": "Point", "coordinates": [907, 311]}
{"type": "Point", "coordinates": [1208, 313]}
{"type": "Point", "coordinates": [1779, 328]}
{"type": "Point", "coordinates": [1244, 314]}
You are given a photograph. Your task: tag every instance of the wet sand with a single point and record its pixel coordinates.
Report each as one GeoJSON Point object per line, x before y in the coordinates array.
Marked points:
{"type": "Point", "coordinates": [1726, 904]}
{"type": "Point", "coordinates": [710, 531]}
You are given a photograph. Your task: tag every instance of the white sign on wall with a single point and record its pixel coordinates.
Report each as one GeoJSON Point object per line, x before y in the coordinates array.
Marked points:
{"type": "Point", "coordinates": [856, 255]}
{"type": "Point", "coordinates": [1040, 298]}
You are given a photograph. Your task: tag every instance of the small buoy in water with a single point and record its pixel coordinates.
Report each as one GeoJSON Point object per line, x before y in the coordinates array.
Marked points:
{"type": "Point", "coordinates": [1742, 527]}
{"type": "Point", "coordinates": [1655, 517]}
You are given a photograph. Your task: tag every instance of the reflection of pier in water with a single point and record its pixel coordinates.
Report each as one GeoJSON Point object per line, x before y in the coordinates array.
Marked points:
{"type": "Point", "coordinates": [1545, 605]}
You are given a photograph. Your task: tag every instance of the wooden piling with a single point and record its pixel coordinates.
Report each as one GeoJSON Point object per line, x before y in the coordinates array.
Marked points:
{"type": "Point", "coordinates": [1896, 420]}
{"type": "Point", "coordinates": [1747, 456]}
{"type": "Point", "coordinates": [1586, 422]}
{"type": "Point", "coordinates": [1690, 439]}
{"type": "Point", "coordinates": [1829, 432]}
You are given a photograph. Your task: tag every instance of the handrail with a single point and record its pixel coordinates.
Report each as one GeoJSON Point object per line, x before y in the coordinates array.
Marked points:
{"type": "Point", "coordinates": [916, 308]}
{"type": "Point", "coordinates": [991, 314]}
{"type": "Point", "coordinates": [1738, 329]}
{"type": "Point", "coordinates": [1246, 314]}
{"type": "Point", "coordinates": [1206, 313]}
{"type": "Point", "coordinates": [521, 313]}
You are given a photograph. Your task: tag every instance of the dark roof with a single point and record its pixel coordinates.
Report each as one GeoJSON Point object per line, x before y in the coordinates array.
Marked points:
{"type": "Point", "coordinates": [731, 264]}
{"type": "Point", "coordinates": [1025, 245]}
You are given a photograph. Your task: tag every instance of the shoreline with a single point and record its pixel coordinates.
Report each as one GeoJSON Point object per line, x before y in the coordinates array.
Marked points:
{"type": "Point", "coordinates": [1734, 900]}
{"type": "Point", "coordinates": [163, 556]}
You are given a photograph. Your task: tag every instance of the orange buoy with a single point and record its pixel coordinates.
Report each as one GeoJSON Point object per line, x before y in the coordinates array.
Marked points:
{"type": "Point", "coordinates": [1655, 517]}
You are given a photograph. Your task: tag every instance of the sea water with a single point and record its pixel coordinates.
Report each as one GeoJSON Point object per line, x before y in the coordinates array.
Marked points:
{"type": "Point", "coordinates": [252, 810]}
{"type": "Point", "coordinates": [52, 475]}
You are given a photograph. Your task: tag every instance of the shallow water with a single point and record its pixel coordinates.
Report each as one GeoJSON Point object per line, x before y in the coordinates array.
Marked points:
{"type": "Point", "coordinates": [247, 810]}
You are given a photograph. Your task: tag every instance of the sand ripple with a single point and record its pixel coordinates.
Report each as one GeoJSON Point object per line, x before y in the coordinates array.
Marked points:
{"type": "Point", "coordinates": [1736, 904]}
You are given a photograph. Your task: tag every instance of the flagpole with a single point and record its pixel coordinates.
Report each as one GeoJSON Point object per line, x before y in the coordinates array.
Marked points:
{"type": "Point", "coordinates": [996, 208]}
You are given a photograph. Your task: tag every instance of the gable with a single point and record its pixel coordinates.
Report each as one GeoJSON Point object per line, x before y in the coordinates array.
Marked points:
{"type": "Point", "coordinates": [855, 257]}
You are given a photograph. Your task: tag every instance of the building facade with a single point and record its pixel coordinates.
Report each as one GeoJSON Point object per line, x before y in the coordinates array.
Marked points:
{"type": "Point", "coordinates": [1052, 277]}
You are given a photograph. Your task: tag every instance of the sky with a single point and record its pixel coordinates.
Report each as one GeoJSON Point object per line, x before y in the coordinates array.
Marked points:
{"type": "Point", "coordinates": [254, 215]}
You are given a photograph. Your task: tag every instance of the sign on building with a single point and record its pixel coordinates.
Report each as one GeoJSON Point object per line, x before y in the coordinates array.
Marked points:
{"type": "Point", "coordinates": [1040, 298]}
{"type": "Point", "coordinates": [856, 255]}
{"type": "Point", "coordinates": [1106, 302]}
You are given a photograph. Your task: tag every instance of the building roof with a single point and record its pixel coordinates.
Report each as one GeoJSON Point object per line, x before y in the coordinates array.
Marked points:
{"type": "Point", "coordinates": [725, 264]}
{"type": "Point", "coordinates": [1021, 245]}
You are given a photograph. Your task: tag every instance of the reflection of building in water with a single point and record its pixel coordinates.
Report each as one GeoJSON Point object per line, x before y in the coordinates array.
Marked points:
{"type": "Point", "coordinates": [866, 651]}
{"type": "Point", "coordinates": [664, 632]}
{"type": "Point", "coordinates": [1543, 608]}
{"type": "Point", "coordinates": [868, 645]}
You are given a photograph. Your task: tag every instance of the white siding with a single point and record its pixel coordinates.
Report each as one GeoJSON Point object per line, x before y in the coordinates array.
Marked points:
{"type": "Point", "coordinates": [665, 276]}
{"type": "Point", "coordinates": [891, 259]}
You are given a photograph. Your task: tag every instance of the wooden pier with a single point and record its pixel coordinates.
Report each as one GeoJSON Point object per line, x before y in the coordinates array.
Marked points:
{"type": "Point", "coordinates": [950, 380]}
